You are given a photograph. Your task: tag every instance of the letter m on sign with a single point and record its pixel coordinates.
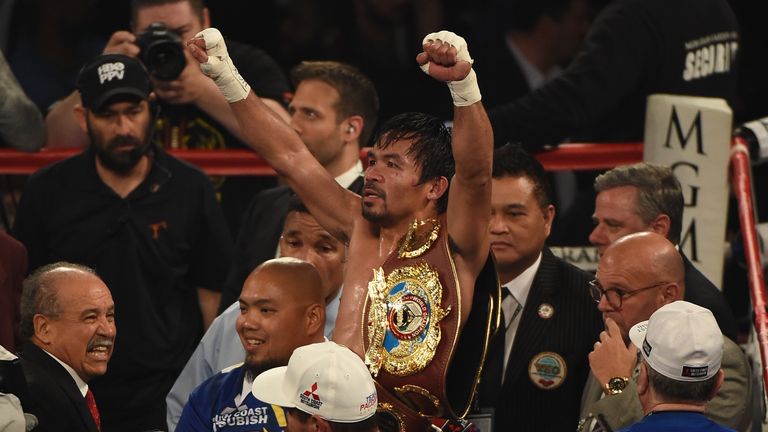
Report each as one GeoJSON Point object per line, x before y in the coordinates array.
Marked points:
{"type": "Point", "coordinates": [674, 123]}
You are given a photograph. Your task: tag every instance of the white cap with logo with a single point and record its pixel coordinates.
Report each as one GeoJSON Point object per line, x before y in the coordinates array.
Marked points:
{"type": "Point", "coordinates": [326, 379]}
{"type": "Point", "coordinates": [681, 341]}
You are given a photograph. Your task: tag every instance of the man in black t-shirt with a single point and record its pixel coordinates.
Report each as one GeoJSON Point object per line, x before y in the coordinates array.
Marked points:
{"type": "Point", "coordinates": [147, 223]}
{"type": "Point", "coordinates": [193, 114]}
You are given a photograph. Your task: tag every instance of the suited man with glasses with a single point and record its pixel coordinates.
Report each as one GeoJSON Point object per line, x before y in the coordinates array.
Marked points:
{"type": "Point", "coordinates": [648, 197]}
{"type": "Point", "coordinates": [637, 275]}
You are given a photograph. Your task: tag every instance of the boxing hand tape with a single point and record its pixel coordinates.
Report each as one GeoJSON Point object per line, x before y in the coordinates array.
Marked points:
{"type": "Point", "coordinates": [220, 67]}
{"type": "Point", "coordinates": [464, 92]}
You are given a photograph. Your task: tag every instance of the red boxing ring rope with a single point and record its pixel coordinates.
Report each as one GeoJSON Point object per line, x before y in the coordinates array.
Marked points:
{"type": "Point", "coordinates": [564, 157]}
{"type": "Point", "coordinates": [246, 162]}
{"type": "Point", "coordinates": [741, 182]}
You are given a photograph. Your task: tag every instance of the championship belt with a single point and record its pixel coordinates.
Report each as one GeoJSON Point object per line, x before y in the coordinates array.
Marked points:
{"type": "Point", "coordinates": [411, 324]}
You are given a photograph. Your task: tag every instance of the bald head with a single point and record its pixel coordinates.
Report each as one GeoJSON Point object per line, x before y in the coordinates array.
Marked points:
{"type": "Point", "coordinates": [638, 274]}
{"type": "Point", "coordinates": [648, 253]}
{"type": "Point", "coordinates": [281, 308]}
{"type": "Point", "coordinates": [296, 278]}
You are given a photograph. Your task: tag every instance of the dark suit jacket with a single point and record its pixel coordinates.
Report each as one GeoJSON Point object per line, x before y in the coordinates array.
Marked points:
{"type": "Point", "coordinates": [499, 73]}
{"type": "Point", "coordinates": [258, 236]}
{"type": "Point", "coordinates": [699, 290]}
{"type": "Point", "coordinates": [13, 267]}
{"type": "Point", "coordinates": [53, 395]}
{"type": "Point", "coordinates": [570, 332]}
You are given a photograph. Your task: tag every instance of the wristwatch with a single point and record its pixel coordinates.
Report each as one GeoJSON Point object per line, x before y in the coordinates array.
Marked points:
{"type": "Point", "coordinates": [616, 385]}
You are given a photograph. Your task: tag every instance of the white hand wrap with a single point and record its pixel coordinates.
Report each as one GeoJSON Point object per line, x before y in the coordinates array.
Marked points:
{"type": "Point", "coordinates": [464, 92]}
{"type": "Point", "coordinates": [220, 67]}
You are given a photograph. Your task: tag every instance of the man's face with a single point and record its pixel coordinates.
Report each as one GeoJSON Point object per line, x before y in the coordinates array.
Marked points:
{"type": "Point", "coordinates": [314, 117]}
{"type": "Point", "coordinates": [84, 333]}
{"type": "Point", "coordinates": [615, 216]}
{"type": "Point", "coordinates": [177, 17]}
{"type": "Point", "coordinates": [271, 323]}
{"type": "Point", "coordinates": [392, 191]}
{"type": "Point", "coordinates": [303, 238]}
{"type": "Point", "coordinates": [518, 227]}
{"type": "Point", "coordinates": [620, 270]}
{"type": "Point", "coordinates": [119, 134]}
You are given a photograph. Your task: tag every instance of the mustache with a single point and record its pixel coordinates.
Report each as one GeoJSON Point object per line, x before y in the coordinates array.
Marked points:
{"type": "Point", "coordinates": [100, 341]}
{"type": "Point", "coordinates": [122, 140]}
{"type": "Point", "coordinates": [373, 187]}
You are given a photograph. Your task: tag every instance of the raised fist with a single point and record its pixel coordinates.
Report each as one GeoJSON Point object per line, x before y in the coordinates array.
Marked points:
{"type": "Point", "coordinates": [447, 59]}
{"type": "Point", "coordinates": [209, 49]}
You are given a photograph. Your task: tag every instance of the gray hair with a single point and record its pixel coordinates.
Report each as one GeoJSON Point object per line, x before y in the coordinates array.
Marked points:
{"type": "Point", "coordinates": [39, 294]}
{"type": "Point", "coordinates": [658, 192]}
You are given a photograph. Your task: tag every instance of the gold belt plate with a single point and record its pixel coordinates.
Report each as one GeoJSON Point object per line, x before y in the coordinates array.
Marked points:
{"type": "Point", "coordinates": [403, 330]}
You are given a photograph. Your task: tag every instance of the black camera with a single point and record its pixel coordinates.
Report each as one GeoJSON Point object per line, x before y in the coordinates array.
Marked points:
{"type": "Point", "coordinates": [161, 52]}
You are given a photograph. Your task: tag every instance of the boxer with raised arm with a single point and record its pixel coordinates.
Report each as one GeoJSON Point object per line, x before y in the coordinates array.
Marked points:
{"type": "Point", "coordinates": [396, 193]}
{"type": "Point", "coordinates": [418, 246]}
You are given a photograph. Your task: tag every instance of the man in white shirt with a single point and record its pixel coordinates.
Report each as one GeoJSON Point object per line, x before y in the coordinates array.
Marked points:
{"type": "Point", "coordinates": [68, 320]}
{"type": "Point", "coordinates": [333, 111]}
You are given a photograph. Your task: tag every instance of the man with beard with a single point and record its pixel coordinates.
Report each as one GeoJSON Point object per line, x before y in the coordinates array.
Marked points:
{"type": "Point", "coordinates": [193, 113]}
{"type": "Point", "coordinates": [147, 223]}
{"type": "Point", "coordinates": [281, 308]}
{"type": "Point", "coordinates": [410, 222]}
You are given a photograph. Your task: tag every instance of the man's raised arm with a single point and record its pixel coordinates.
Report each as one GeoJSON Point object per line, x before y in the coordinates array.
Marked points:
{"type": "Point", "coordinates": [275, 141]}
{"type": "Point", "coordinates": [446, 58]}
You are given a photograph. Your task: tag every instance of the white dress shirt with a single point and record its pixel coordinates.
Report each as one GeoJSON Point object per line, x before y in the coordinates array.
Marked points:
{"type": "Point", "coordinates": [519, 287]}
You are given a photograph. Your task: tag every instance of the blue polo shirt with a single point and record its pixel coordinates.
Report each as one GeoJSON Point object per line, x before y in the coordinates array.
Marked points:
{"type": "Point", "coordinates": [212, 407]}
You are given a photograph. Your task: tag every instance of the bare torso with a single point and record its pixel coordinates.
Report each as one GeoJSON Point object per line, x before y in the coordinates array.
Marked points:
{"type": "Point", "coordinates": [369, 248]}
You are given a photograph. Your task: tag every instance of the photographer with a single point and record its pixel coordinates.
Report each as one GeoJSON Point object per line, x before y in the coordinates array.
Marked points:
{"type": "Point", "coordinates": [193, 112]}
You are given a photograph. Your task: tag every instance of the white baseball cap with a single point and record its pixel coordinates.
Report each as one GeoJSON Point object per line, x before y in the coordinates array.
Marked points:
{"type": "Point", "coordinates": [326, 379]}
{"type": "Point", "coordinates": [681, 341]}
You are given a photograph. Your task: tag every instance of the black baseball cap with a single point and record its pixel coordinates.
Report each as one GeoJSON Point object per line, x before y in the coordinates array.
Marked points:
{"type": "Point", "coordinates": [110, 75]}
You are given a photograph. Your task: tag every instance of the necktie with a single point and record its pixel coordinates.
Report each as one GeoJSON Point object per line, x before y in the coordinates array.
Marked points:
{"type": "Point", "coordinates": [510, 307]}
{"type": "Point", "coordinates": [93, 408]}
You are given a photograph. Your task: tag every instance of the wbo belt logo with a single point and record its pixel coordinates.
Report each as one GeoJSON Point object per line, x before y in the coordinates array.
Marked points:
{"type": "Point", "coordinates": [109, 71]}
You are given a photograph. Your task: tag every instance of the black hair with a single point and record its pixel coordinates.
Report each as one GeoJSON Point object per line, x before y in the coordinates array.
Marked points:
{"type": "Point", "coordinates": [296, 204]}
{"type": "Point", "coordinates": [430, 146]}
{"type": "Point", "coordinates": [511, 160]}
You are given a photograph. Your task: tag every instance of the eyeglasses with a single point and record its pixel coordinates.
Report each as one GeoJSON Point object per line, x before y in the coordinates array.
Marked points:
{"type": "Point", "coordinates": [615, 296]}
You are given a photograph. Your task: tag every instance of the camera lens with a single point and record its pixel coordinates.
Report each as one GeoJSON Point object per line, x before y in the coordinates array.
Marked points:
{"type": "Point", "coordinates": [161, 52]}
{"type": "Point", "coordinates": [165, 60]}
